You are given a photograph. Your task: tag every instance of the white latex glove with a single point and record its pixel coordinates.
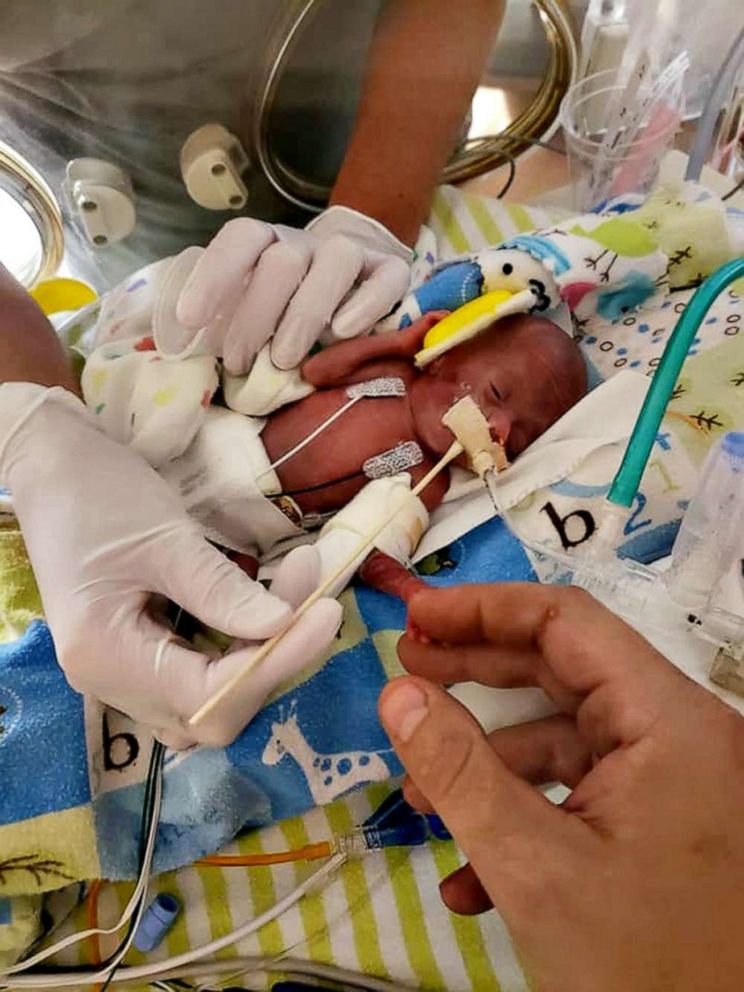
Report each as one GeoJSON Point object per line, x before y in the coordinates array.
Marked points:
{"type": "Point", "coordinates": [256, 281]}
{"type": "Point", "coordinates": [104, 532]}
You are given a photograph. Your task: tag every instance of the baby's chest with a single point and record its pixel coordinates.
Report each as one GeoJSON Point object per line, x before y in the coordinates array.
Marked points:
{"type": "Point", "coordinates": [369, 439]}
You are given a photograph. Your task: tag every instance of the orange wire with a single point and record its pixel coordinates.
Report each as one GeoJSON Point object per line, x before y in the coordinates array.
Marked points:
{"type": "Point", "coordinates": [91, 906]}
{"type": "Point", "coordinates": [311, 852]}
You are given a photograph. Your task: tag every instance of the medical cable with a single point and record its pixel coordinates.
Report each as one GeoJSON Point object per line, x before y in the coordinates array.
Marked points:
{"type": "Point", "coordinates": [245, 964]}
{"type": "Point", "coordinates": [69, 979]}
{"type": "Point", "coordinates": [382, 387]}
{"type": "Point", "coordinates": [310, 437]}
{"type": "Point", "coordinates": [394, 823]}
{"type": "Point", "coordinates": [135, 905]}
{"type": "Point", "coordinates": [355, 843]}
{"type": "Point", "coordinates": [359, 474]}
{"type": "Point", "coordinates": [366, 542]}
{"type": "Point", "coordinates": [511, 161]}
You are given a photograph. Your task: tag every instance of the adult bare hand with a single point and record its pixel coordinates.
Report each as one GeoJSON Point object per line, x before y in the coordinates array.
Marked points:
{"type": "Point", "coordinates": [637, 881]}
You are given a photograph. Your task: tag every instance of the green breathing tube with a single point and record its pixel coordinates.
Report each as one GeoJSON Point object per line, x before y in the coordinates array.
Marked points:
{"type": "Point", "coordinates": [626, 482]}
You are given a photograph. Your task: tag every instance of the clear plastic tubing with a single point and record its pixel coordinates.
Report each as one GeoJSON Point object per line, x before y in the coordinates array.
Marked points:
{"type": "Point", "coordinates": [628, 478]}
{"type": "Point", "coordinates": [709, 538]}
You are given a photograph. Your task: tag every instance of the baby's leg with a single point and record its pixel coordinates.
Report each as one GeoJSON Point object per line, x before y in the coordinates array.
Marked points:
{"type": "Point", "coordinates": [385, 574]}
{"type": "Point", "coordinates": [246, 563]}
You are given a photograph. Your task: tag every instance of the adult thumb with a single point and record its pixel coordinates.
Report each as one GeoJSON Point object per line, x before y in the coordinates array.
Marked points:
{"type": "Point", "coordinates": [492, 814]}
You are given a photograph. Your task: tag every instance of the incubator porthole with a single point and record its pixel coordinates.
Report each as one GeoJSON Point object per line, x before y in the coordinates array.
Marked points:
{"type": "Point", "coordinates": [21, 247]}
{"type": "Point", "coordinates": [31, 238]}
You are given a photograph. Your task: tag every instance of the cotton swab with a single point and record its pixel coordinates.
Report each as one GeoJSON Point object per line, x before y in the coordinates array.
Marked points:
{"type": "Point", "coordinates": [365, 543]}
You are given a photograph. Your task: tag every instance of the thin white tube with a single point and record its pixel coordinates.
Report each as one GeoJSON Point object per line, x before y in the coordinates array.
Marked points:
{"type": "Point", "coordinates": [129, 910]}
{"type": "Point", "coordinates": [311, 437]}
{"type": "Point", "coordinates": [71, 979]}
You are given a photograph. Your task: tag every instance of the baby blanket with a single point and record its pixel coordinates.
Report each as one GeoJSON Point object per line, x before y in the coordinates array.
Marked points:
{"type": "Point", "coordinates": [72, 772]}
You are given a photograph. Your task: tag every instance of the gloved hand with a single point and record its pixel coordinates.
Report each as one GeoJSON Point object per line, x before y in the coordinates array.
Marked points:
{"type": "Point", "coordinates": [343, 272]}
{"type": "Point", "coordinates": [104, 532]}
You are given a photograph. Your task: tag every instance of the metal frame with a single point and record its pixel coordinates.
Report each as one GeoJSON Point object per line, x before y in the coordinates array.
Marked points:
{"type": "Point", "coordinates": [479, 156]}
{"type": "Point", "coordinates": [31, 191]}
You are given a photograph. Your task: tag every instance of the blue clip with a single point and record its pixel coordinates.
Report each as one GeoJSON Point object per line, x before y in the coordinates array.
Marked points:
{"type": "Point", "coordinates": [394, 823]}
{"type": "Point", "coordinates": [159, 917]}
{"type": "Point", "coordinates": [392, 812]}
{"type": "Point", "coordinates": [437, 827]}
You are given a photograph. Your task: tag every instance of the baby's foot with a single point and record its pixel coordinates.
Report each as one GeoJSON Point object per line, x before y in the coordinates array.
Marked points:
{"type": "Point", "coordinates": [415, 633]}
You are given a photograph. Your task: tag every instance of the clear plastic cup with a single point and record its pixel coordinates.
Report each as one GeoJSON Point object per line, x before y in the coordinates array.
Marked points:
{"type": "Point", "coordinates": [633, 166]}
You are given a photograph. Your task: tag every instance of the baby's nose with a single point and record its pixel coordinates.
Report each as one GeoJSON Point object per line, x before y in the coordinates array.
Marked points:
{"type": "Point", "coordinates": [499, 425]}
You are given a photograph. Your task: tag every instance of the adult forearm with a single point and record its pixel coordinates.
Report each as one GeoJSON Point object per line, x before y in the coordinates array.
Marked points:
{"type": "Point", "coordinates": [30, 351]}
{"type": "Point", "coordinates": [426, 60]}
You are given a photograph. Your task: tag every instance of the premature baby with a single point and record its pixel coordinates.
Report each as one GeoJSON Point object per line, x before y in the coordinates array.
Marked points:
{"type": "Point", "coordinates": [379, 430]}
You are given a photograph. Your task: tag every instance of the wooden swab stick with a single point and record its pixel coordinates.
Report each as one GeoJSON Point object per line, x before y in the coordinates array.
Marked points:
{"type": "Point", "coordinates": [366, 542]}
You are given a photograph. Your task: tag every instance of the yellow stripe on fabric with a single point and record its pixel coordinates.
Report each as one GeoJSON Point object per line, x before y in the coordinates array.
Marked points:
{"type": "Point", "coordinates": [123, 892]}
{"type": "Point", "coordinates": [468, 933]}
{"type": "Point", "coordinates": [485, 222]}
{"type": "Point", "coordinates": [445, 216]}
{"type": "Point", "coordinates": [415, 935]}
{"type": "Point", "coordinates": [312, 908]}
{"type": "Point", "coordinates": [359, 899]}
{"type": "Point", "coordinates": [263, 895]}
{"type": "Point", "coordinates": [520, 216]}
{"type": "Point", "coordinates": [217, 906]}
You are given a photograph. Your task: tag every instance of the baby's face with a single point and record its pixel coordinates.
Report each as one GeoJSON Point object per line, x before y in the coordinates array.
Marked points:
{"type": "Point", "coordinates": [524, 374]}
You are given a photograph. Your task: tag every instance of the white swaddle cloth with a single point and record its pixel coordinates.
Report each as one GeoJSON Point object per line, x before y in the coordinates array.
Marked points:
{"type": "Point", "coordinates": [583, 448]}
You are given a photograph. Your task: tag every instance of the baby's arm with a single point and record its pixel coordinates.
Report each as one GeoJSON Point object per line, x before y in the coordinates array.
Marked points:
{"type": "Point", "coordinates": [338, 364]}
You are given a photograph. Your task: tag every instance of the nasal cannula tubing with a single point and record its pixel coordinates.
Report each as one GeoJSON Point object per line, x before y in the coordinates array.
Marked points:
{"type": "Point", "coordinates": [626, 482]}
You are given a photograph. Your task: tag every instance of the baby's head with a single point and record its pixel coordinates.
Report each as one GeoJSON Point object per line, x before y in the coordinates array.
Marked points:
{"type": "Point", "coordinates": [524, 373]}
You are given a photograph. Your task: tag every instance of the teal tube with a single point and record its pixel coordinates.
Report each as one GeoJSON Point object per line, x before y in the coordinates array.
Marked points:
{"type": "Point", "coordinates": [628, 478]}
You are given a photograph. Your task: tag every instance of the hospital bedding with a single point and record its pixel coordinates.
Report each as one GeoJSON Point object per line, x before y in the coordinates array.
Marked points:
{"type": "Point", "coordinates": [404, 931]}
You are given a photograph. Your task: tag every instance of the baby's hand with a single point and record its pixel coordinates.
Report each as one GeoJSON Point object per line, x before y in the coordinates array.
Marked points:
{"type": "Point", "coordinates": [411, 339]}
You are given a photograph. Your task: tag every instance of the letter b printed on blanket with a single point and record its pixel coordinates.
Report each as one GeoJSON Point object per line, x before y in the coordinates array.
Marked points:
{"type": "Point", "coordinates": [120, 750]}
{"type": "Point", "coordinates": [570, 539]}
